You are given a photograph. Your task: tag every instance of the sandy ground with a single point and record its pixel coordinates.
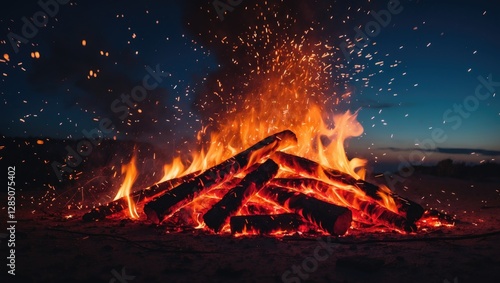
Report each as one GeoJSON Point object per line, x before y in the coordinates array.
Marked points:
{"type": "Point", "coordinates": [50, 248]}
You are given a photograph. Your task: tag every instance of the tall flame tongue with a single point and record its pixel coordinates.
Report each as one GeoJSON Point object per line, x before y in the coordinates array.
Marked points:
{"type": "Point", "coordinates": [290, 88]}
{"type": "Point", "coordinates": [130, 171]}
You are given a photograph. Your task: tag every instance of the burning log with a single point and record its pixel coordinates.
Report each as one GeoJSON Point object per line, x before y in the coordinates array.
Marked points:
{"type": "Point", "coordinates": [121, 204]}
{"type": "Point", "coordinates": [328, 217]}
{"type": "Point", "coordinates": [265, 224]}
{"type": "Point", "coordinates": [174, 199]}
{"type": "Point", "coordinates": [376, 212]}
{"type": "Point", "coordinates": [382, 215]}
{"type": "Point", "coordinates": [412, 211]}
{"type": "Point", "coordinates": [238, 196]}
{"type": "Point", "coordinates": [409, 209]}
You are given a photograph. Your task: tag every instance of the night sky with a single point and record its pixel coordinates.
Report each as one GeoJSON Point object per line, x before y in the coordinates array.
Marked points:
{"type": "Point", "coordinates": [414, 79]}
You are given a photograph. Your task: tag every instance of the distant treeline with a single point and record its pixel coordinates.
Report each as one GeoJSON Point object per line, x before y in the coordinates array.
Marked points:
{"type": "Point", "coordinates": [448, 168]}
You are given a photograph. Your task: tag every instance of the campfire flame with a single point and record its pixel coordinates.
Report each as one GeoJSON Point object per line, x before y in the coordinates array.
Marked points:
{"type": "Point", "coordinates": [131, 174]}
{"type": "Point", "coordinates": [288, 89]}
{"type": "Point", "coordinates": [280, 104]}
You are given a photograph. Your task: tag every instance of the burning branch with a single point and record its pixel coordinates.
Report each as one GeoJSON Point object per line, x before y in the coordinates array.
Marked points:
{"type": "Point", "coordinates": [376, 213]}
{"type": "Point", "coordinates": [171, 201]}
{"type": "Point", "coordinates": [326, 216]}
{"type": "Point", "coordinates": [122, 203]}
{"type": "Point", "coordinates": [238, 196]}
{"type": "Point", "coordinates": [406, 208]}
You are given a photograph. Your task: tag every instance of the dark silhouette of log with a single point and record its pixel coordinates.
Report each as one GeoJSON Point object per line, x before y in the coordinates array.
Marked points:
{"type": "Point", "coordinates": [326, 216]}
{"type": "Point", "coordinates": [121, 204]}
{"type": "Point", "coordinates": [265, 224]}
{"type": "Point", "coordinates": [233, 200]}
{"type": "Point", "coordinates": [377, 213]}
{"type": "Point", "coordinates": [166, 205]}
{"type": "Point", "coordinates": [412, 211]}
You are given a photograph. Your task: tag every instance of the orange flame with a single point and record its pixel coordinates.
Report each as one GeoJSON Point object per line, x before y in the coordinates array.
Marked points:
{"type": "Point", "coordinates": [131, 173]}
{"type": "Point", "coordinates": [291, 95]}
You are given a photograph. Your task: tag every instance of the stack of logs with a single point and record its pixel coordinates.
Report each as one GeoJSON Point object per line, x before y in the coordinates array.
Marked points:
{"type": "Point", "coordinates": [260, 165]}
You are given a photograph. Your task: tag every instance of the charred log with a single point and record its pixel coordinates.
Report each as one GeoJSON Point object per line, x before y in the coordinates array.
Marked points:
{"type": "Point", "coordinates": [171, 201]}
{"type": "Point", "coordinates": [326, 216]}
{"type": "Point", "coordinates": [382, 215]}
{"type": "Point", "coordinates": [238, 196]}
{"type": "Point", "coordinates": [121, 204]}
{"type": "Point", "coordinates": [265, 224]}
{"type": "Point", "coordinates": [412, 211]}
{"type": "Point", "coordinates": [376, 212]}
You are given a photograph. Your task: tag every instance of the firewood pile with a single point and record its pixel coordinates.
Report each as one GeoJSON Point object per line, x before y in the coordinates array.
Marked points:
{"type": "Point", "coordinates": [309, 193]}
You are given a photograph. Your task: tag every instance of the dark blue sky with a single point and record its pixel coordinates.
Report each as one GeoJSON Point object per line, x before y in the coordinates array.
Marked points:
{"type": "Point", "coordinates": [441, 47]}
{"type": "Point", "coordinates": [424, 62]}
{"type": "Point", "coordinates": [53, 96]}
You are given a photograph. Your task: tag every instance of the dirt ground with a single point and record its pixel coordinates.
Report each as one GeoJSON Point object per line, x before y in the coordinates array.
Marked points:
{"type": "Point", "coordinates": [50, 248]}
